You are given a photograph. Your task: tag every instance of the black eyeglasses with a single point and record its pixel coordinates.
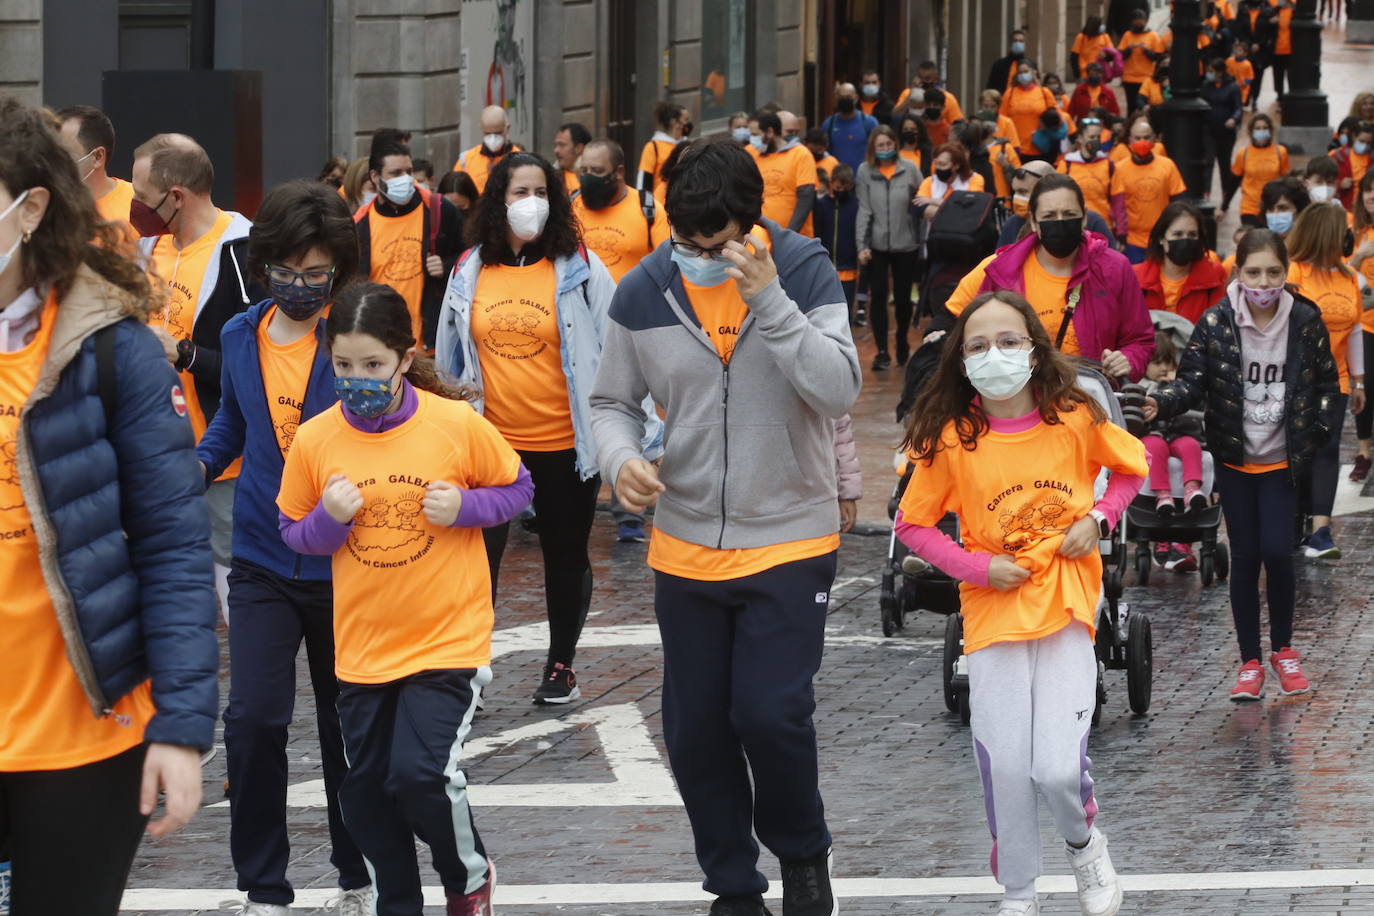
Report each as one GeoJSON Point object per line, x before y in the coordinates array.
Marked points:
{"type": "Point", "coordinates": [315, 279]}
{"type": "Point", "coordinates": [687, 249]}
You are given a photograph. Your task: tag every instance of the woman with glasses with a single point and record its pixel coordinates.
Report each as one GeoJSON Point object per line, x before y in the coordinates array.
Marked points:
{"type": "Point", "coordinates": [1083, 291]}
{"type": "Point", "coordinates": [276, 376]}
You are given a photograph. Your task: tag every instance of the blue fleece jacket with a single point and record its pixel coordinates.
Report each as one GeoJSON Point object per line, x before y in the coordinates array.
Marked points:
{"type": "Point", "coordinates": [243, 426]}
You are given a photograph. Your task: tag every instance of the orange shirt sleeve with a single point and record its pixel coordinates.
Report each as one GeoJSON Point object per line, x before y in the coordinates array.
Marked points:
{"type": "Point", "coordinates": [648, 159]}
{"type": "Point", "coordinates": [931, 492]}
{"type": "Point", "coordinates": [967, 290]}
{"type": "Point", "coordinates": [1176, 183]}
{"type": "Point", "coordinates": [977, 183]}
{"type": "Point", "coordinates": [491, 462]}
{"type": "Point", "coordinates": [927, 185]}
{"type": "Point", "coordinates": [1115, 449]}
{"type": "Point", "coordinates": [804, 167]}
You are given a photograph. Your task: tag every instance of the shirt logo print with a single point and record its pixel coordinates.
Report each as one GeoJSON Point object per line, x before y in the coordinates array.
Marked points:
{"type": "Point", "coordinates": [401, 260]}
{"type": "Point", "coordinates": [389, 534]}
{"type": "Point", "coordinates": [11, 496]}
{"type": "Point", "coordinates": [1043, 516]}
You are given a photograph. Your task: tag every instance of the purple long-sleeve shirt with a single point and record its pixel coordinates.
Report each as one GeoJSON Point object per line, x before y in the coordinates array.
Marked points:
{"type": "Point", "coordinates": [483, 507]}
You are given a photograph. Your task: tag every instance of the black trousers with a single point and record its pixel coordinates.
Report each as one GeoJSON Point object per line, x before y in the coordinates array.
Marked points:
{"type": "Point", "coordinates": [903, 267]}
{"type": "Point", "coordinates": [269, 617]}
{"type": "Point", "coordinates": [1221, 146]}
{"type": "Point", "coordinates": [1364, 420]}
{"type": "Point", "coordinates": [1132, 96]}
{"type": "Point", "coordinates": [738, 661]}
{"type": "Point", "coordinates": [565, 506]}
{"type": "Point", "coordinates": [1326, 464]}
{"type": "Point", "coordinates": [405, 740]}
{"type": "Point", "coordinates": [1280, 66]}
{"type": "Point", "coordinates": [72, 835]}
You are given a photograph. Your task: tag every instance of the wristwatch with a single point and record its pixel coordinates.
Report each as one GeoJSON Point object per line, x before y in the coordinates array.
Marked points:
{"type": "Point", "coordinates": [1104, 530]}
{"type": "Point", "coordinates": [186, 355]}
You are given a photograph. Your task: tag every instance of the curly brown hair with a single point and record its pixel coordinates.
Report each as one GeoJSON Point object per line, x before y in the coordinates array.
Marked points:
{"type": "Point", "coordinates": [948, 396]}
{"type": "Point", "coordinates": [72, 234]}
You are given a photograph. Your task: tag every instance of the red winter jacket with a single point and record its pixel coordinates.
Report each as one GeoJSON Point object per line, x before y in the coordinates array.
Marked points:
{"type": "Point", "coordinates": [1204, 288]}
{"type": "Point", "coordinates": [1080, 104]}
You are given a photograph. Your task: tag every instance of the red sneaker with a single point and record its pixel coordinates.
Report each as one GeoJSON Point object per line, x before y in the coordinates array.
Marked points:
{"type": "Point", "coordinates": [478, 903]}
{"type": "Point", "coordinates": [1249, 683]}
{"type": "Point", "coordinates": [1361, 469]}
{"type": "Point", "coordinates": [1286, 666]}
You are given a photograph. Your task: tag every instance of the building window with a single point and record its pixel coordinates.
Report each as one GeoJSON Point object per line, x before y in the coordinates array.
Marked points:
{"type": "Point", "coordinates": [725, 57]}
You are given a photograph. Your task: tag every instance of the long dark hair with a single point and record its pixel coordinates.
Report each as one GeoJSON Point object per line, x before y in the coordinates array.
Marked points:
{"type": "Point", "coordinates": [380, 312]}
{"type": "Point", "coordinates": [298, 216]}
{"type": "Point", "coordinates": [72, 234]}
{"type": "Point", "coordinates": [1363, 218]}
{"type": "Point", "coordinates": [488, 229]}
{"type": "Point", "coordinates": [947, 396]}
{"type": "Point", "coordinates": [1156, 245]}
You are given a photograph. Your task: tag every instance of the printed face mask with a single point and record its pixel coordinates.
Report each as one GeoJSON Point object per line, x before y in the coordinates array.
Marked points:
{"type": "Point", "coordinates": [1261, 298]}
{"type": "Point", "coordinates": [527, 217]}
{"type": "Point", "coordinates": [400, 189]}
{"type": "Point", "coordinates": [365, 397]}
{"type": "Point", "coordinates": [700, 271]}
{"type": "Point", "coordinates": [299, 302]}
{"type": "Point", "coordinates": [7, 256]}
{"type": "Point", "coordinates": [997, 374]}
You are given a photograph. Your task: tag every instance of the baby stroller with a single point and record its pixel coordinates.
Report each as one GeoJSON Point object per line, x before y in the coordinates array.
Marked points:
{"type": "Point", "coordinates": [1123, 639]}
{"type": "Point", "coordinates": [1196, 527]}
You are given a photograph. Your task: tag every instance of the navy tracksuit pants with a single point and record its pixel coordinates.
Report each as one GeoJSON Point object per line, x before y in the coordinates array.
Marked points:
{"type": "Point", "coordinates": [270, 615]}
{"type": "Point", "coordinates": [405, 741]}
{"type": "Point", "coordinates": [739, 657]}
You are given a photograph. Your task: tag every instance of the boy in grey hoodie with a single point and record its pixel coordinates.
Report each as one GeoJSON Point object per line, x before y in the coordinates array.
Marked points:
{"type": "Point", "coordinates": [739, 329]}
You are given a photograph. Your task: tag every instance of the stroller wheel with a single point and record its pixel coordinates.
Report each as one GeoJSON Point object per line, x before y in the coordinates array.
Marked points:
{"type": "Point", "coordinates": [887, 603]}
{"type": "Point", "coordinates": [1139, 664]}
{"type": "Point", "coordinates": [1142, 564]}
{"type": "Point", "coordinates": [1207, 566]}
{"type": "Point", "coordinates": [954, 647]}
{"type": "Point", "coordinates": [1101, 698]}
{"type": "Point", "coordinates": [965, 713]}
{"type": "Point", "coordinates": [1223, 560]}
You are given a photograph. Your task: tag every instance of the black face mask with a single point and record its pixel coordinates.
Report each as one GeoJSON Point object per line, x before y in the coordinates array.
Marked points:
{"type": "Point", "coordinates": [842, 196]}
{"type": "Point", "coordinates": [1061, 237]}
{"type": "Point", "coordinates": [687, 129]}
{"type": "Point", "coordinates": [934, 114]}
{"type": "Point", "coordinates": [1094, 81]}
{"type": "Point", "coordinates": [1183, 252]}
{"type": "Point", "coordinates": [846, 106]}
{"type": "Point", "coordinates": [1091, 148]}
{"type": "Point", "coordinates": [1137, 27]}
{"type": "Point", "coordinates": [945, 175]}
{"type": "Point", "coordinates": [598, 191]}
{"type": "Point", "coordinates": [910, 136]}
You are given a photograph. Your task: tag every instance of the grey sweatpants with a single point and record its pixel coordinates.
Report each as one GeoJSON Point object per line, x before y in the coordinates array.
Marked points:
{"type": "Point", "coordinates": [1032, 705]}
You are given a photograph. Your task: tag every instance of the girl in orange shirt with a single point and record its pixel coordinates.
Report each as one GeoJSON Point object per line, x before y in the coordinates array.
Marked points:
{"type": "Point", "coordinates": [1088, 46]}
{"type": "Point", "coordinates": [396, 482]}
{"type": "Point", "coordinates": [1362, 260]}
{"type": "Point", "coordinates": [1257, 165]}
{"type": "Point", "coordinates": [1010, 443]}
{"type": "Point", "coordinates": [1318, 269]}
{"type": "Point", "coordinates": [1024, 102]}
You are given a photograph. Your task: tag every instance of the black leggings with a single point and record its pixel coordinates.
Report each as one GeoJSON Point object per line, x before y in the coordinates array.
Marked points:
{"type": "Point", "coordinates": [73, 834]}
{"type": "Point", "coordinates": [1364, 420]}
{"type": "Point", "coordinates": [1259, 510]}
{"type": "Point", "coordinates": [565, 506]}
{"type": "Point", "coordinates": [1223, 145]}
{"type": "Point", "coordinates": [903, 265]}
{"type": "Point", "coordinates": [1280, 66]}
{"type": "Point", "coordinates": [1326, 464]}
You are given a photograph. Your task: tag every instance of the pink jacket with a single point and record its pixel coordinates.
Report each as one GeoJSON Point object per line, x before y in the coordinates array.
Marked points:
{"type": "Point", "coordinates": [1111, 313]}
{"type": "Point", "coordinates": [847, 473]}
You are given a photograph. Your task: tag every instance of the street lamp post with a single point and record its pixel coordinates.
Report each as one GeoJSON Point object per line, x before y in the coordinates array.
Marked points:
{"type": "Point", "coordinates": [1186, 114]}
{"type": "Point", "coordinates": [1306, 116]}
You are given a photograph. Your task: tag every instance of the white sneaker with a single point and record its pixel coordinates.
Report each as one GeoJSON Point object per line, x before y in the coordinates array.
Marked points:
{"type": "Point", "coordinates": [1099, 889]}
{"type": "Point", "coordinates": [251, 908]}
{"type": "Point", "coordinates": [357, 902]}
{"type": "Point", "coordinates": [1012, 907]}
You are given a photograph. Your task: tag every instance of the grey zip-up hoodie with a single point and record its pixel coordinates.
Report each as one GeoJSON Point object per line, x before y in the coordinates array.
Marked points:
{"type": "Point", "coordinates": [886, 221]}
{"type": "Point", "coordinates": [749, 457]}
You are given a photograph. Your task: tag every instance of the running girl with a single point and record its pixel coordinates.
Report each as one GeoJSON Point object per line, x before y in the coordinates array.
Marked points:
{"type": "Point", "coordinates": [1261, 362]}
{"type": "Point", "coordinates": [396, 483]}
{"type": "Point", "coordinates": [1008, 442]}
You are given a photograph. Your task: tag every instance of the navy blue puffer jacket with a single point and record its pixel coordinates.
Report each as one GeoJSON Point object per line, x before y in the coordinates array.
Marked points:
{"type": "Point", "coordinates": [120, 518]}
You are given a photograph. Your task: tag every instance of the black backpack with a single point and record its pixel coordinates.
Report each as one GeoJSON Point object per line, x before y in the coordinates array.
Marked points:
{"type": "Point", "coordinates": [964, 231]}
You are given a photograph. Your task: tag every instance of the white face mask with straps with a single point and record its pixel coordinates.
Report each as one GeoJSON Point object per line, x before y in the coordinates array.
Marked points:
{"type": "Point", "coordinates": [7, 256]}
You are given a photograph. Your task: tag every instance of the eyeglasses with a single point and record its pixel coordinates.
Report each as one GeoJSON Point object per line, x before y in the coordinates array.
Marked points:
{"type": "Point", "coordinates": [315, 279]}
{"type": "Point", "coordinates": [1086, 122]}
{"type": "Point", "coordinates": [1007, 343]}
{"type": "Point", "coordinates": [687, 249]}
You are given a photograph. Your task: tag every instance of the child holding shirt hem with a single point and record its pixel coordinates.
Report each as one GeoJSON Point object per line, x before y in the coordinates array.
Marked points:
{"type": "Point", "coordinates": [1031, 572]}
{"type": "Point", "coordinates": [396, 483]}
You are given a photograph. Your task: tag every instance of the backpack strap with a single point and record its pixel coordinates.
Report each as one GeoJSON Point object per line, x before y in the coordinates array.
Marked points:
{"type": "Point", "coordinates": [105, 372]}
{"type": "Point", "coordinates": [1067, 320]}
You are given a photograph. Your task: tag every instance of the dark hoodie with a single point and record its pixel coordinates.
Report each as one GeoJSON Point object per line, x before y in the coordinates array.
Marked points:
{"type": "Point", "coordinates": [1225, 101]}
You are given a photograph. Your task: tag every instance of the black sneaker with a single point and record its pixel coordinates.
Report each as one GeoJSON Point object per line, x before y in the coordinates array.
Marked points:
{"type": "Point", "coordinates": [806, 888]}
{"type": "Point", "coordinates": [881, 361]}
{"type": "Point", "coordinates": [559, 685]}
{"type": "Point", "coordinates": [739, 906]}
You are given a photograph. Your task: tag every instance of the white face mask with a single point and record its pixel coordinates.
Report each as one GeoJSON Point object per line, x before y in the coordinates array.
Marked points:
{"type": "Point", "coordinates": [19, 237]}
{"type": "Point", "coordinates": [88, 171]}
{"type": "Point", "coordinates": [400, 189]}
{"type": "Point", "coordinates": [527, 217]}
{"type": "Point", "coordinates": [493, 142]}
{"type": "Point", "coordinates": [998, 375]}
{"type": "Point", "coordinates": [1321, 193]}
{"type": "Point", "coordinates": [368, 197]}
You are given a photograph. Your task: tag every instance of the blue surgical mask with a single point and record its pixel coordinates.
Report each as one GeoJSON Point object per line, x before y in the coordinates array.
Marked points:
{"type": "Point", "coordinates": [1345, 139]}
{"type": "Point", "coordinates": [365, 397]}
{"type": "Point", "coordinates": [400, 189]}
{"type": "Point", "coordinates": [886, 155]}
{"type": "Point", "coordinates": [1018, 47]}
{"type": "Point", "coordinates": [790, 140]}
{"type": "Point", "coordinates": [1025, 78]}
{"type": "Point", "coordinates": [1279, 222]}
{"type": "Point", "coordinates": [1361, 147]}
{"type": "Point", "coordinates": [700, 271]}
{"type": "Point", "coordinates": [741, 134]}
{"type": "Point", "coordinates": [1261, 136]}
{"type": "Point", "coordinates": [757, 142]}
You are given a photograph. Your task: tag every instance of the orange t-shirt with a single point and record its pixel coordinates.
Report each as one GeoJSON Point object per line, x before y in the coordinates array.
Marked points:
{"type": "Point", "coordinates": [1139, 67]}
{"type": "Point", "coordinates": [1358, 166]}
{"type": "Point", "coordinates": [1147, 188]}
{"type": "Point", "coordinates": [1024, 105]}
{"type": "Point", "coordinates": [1172, 290]}
{"type": "Point", "coordinates": [398, 259]}
{"type": "Point", "coordinates": [887, 169]}
{"type": "Point", "coordinates": [45, 719]}
{"type": "Point", "coordinates": [1257, 166]}
{"type": "Point", "coordinates": [1283, 44]}
{"type": "Point", "coordinates": [478, 165]}
{"type": "Point", "coordinates": [184, 271]}
{"type": "Point", "coordinates": [1095, 179]}
{"type": "Point", "coordinates": [1019, 493]}
{"type": "Point", "coordinates": [927, 189]}
{"type": "Point", "coordinates": [1006, 129]}
{"type": "Point", "coordinates": [285, 373]}
{"type": "Point", "coordinates": [114, 208]}
{"type": "Point", "coordinates": [999, 176]}
{"type": "Point", "coordinates": [656, 152]}
{"type": "Point", "coordinates": [409, 596]}
{"type": "Point", "coordinates": [619, 234]}
{"type": "Point", "coordinates": [826, 164]}
{"type": "Point", "coordinates": [783, 173]}
{"type": "Point", "coordinates": [1151, 91]}
{"type": "Point", "coordinates": [1046, 292]}
{"type": "Point", "coordinates": [910, 155]}
{"type": "Point", "coordinates": [1367, 268]}
{"type": "Point", "coordinates": [949, 114]}
{"type": "Point", "coordinates": [721, 312]}
{"type": "Point", "coordinates": [515, 325]}
{"type": "Point", "coordinates": [1089, 50]}
{"type": "Point", "coordinates": [571, 182]}
{"type": "Point", "coordinates": [1338, 298]}
{"type": "Point", "coordinates": [1244, 73]}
